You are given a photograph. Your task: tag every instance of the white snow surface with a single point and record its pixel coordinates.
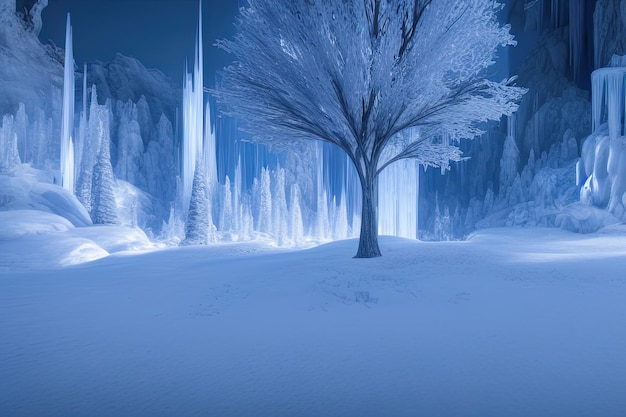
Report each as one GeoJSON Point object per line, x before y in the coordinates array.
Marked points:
{"type": "Point", "coordinates": [30, 189]}
{"type": "Point", "coordinates": [512, 322]}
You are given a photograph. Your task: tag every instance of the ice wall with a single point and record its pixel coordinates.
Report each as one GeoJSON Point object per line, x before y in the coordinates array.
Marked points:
{"type": "Point", "coordinates": [609, 31]}
{"type": "Point", "coordinates": [31, 79]}
{"type": "Point", "coordinates": [501, 183]}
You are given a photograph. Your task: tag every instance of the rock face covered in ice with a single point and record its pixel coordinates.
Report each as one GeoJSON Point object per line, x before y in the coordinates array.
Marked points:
{"type": "Point", "coordinates": [604, 151]}
{"type": "Point", "coordinates": [609, 35]}
{"type": "Point", "coordinates": [31, 78]}
{"type": "Point", "coordinates": [502, 182]}
{"type": "Point", "coordinates": [127, 79]}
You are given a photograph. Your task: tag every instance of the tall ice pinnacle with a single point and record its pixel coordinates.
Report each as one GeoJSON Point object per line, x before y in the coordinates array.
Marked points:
{"type": "Point", "coordinates": [193, 112]}
{"type": "Point", "coordinates": [67, 125]}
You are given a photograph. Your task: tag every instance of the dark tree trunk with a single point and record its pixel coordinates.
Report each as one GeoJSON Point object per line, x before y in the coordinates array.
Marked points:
{"type": "Point", "coordinates": [368, 240]}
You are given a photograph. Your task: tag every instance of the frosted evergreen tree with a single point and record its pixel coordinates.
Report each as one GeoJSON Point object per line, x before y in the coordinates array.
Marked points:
{"type": "Point", "coordinates": [358, 73]}
{"type": "Point", "coordinates": [265, 203]}
{"type": "Point", "coordinates": [279, 207]}
{"type": "Point", "coordinates": [104, 207]}
{"type": "Point", "coordinates": [226, 214]}
{"type": "Point", "coordinates": [9, 154]}
{"type": "Point", "coordinates": [322, 224]}
{"type": "Point", "coordinates": [255, 203]}
{"type": "Point", "coordinates": [341, 227]}
{"type": "Point", "coordinates": [96, 132]}
{"type": "Point", "coordinates": [199, 227]}
{"type": "Point", "coordinates": [24, 140]}
{"type": "Point", "coordinates": [296, 225]}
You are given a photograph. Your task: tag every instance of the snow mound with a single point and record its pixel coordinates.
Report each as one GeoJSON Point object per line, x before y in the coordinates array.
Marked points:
{"type": "Point", "coordinates": [20, 223]}
{"type": "Point", "coordinates": [22, 190]}
{"type": "Point", "coordinates": [582, 218]}
{"type": "Point", "coordinates": [32, 239]}
{"type": "Point", "coordinates": [116, 238]}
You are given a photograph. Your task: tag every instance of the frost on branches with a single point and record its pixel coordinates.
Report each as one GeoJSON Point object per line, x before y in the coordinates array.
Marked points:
{"type": "Point", "coordinates": [384, 80]}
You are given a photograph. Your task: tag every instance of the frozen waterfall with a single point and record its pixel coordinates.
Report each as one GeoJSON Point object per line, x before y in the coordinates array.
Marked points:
{"type": "Point", "coordinates": [608, 97]}
{"type": "Point", "coordinates": [604, 151]}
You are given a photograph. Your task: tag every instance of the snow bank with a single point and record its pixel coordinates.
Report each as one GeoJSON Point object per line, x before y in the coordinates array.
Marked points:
{"type": "Point", "coordinates": [23, 190]}
{"type": "Point", "coordinates": [39, 239]}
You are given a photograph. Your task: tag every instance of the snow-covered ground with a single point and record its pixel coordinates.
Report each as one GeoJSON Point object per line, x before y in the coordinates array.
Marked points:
{"type": "Point", "coordinates": [512, 322]}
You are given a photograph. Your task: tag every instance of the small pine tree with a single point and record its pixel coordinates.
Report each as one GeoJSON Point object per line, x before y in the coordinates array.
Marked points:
{"type": "Point", "coordinates": [226, 215]}
{"type": "Point", "coordinates": [279, 207]}
{"type": "Point", "coordinates": [199, 228]}
{"type": "Point", "coordinates": [265, 203]}
{"type": "Point", "coordinates": [104, 207]}
{"type": "Point", "coordinates": [296, 225]}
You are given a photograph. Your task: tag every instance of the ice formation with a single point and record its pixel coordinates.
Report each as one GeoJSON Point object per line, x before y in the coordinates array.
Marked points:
{"type": "Point", "coordinates": [67, 127]}
{"type": "Point", "coordinates": [523, 176]}
{"type": "Point", "coordinates": [604, 151]}
{"type": "Point", "coordinates": [193, 118]}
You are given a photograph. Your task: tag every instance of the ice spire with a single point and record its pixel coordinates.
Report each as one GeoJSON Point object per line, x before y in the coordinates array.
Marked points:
{"type": "Point", "coordinates": [67, 146]}
{"type": "Point", "coordinates": [193, 121]}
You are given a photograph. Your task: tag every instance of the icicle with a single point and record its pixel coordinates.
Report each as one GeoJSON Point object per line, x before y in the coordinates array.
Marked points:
{"type": "Point", "coordinates": [615, 102]}
{"type": "Point", "coordinates": [608, 101]}
{"type": "Point", "coordinates": [597, 99]}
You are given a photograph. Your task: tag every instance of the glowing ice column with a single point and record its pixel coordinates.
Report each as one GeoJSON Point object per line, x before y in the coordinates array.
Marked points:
{"type": "Point", "coordinates": [67, 146]}
{"type": "Point", "coordinates": [193, 121]}
{"type": "Point", "coordinates": [398, 186]}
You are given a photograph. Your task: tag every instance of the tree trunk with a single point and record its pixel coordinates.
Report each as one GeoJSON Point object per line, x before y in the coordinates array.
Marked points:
{"type": "Point", "coordinates": [368, 240]}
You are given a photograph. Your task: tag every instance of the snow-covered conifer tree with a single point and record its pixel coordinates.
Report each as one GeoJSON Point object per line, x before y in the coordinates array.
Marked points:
{"type": "Point", "coordinates": [89, 147]}
{"type": "Point", "coordinates": [226, 214]}
{"type": "Point", "coordinates": [199, 228]}
{"type": "Point", "coordinates": [9, 154]}
{"type": "Point", "coordinates": [279, 207]}
{"type": "Point", "coordinates": [265, 203]}
{"type": "Point", "coordinates": [359, 73]}
{"type": "Point", "coordinates": [104, 207]}
{"type": "Point", "coordinates": [296, 227]}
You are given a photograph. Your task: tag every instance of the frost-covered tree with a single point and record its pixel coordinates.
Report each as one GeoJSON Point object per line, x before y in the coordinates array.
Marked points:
{"type": "Point", "coordinates": [279, 207]}
{"type": "Point", "coordinates": [9, 154]}
{"type": "Point", "coordinates": [94, 132]}
{"type": "Point", "coordinates": [358, 73]}
{"type": "Point", "coordinates": [265, 203]}
{"type": "Point", "coordinates": [295, 224]}
{"type": "Point", "coordinates": [226, 213]}
{"type": "Point", "coordinates": [199, 228]}
{"type": "Point", "coordinates": [104, 207]}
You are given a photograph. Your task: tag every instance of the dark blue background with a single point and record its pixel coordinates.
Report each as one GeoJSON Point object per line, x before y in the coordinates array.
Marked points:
{"type": "Point", "coordinates": [160, 33]}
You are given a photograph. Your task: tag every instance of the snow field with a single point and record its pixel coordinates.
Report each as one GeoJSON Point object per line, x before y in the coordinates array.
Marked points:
{"type": "Point", "coordinates": [513, 322]}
